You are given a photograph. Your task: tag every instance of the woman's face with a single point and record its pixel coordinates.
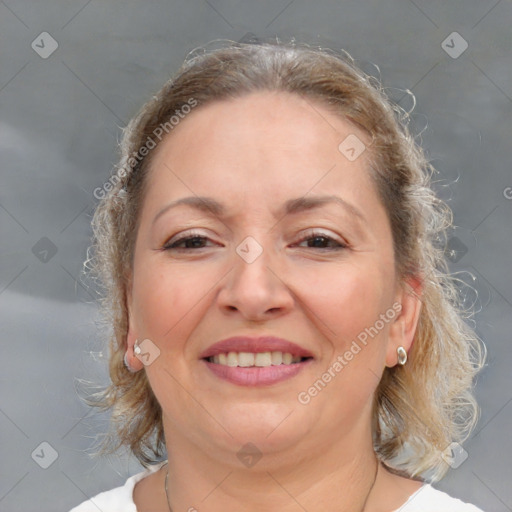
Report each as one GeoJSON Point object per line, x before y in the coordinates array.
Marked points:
{"type": "Point", "coordinates": [318, 273]}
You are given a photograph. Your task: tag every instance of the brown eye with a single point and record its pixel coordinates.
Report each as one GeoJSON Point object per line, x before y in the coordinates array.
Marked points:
{"type": "Point", "coordinates": [322, 241]}
{"type": "Point", "coordinates": [189, 241]}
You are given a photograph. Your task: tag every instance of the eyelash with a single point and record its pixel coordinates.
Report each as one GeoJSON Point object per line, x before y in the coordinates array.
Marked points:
{"type": "Point", "coordinates": [311, 236]}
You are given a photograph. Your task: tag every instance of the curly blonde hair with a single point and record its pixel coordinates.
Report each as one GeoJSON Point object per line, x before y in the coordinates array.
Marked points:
{"type": "Point", "coordinates": [420, 408]}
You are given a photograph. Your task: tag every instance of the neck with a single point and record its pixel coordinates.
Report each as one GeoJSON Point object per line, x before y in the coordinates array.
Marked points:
{"type": "Point", "coordinates": [335, 476]}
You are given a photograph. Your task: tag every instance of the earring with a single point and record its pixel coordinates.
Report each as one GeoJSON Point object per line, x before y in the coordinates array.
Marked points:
{"type": "Point", "coordinates": [402, 355]}
{"type": "Point", "coordinates": [127, 364]}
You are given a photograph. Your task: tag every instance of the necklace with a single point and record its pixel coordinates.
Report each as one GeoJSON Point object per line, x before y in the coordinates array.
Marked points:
{"type": "Point", "coordinates": [362, 509]}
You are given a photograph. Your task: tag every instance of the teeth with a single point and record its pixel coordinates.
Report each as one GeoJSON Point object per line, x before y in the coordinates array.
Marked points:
{"type": "Point", "coordinates": [263, 359]}
{"type": "Point", "coordinates": [260, 359]}
{"type": "Point", "coordinates": [245, 359]}
{"type": "Point", "coordinates": [232, 359]}
{"type": "Point", "coordinates": [277, 358]}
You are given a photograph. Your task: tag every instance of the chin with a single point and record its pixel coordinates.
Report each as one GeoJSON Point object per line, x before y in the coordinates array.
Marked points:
{"type": "Point", "coordinates": [268, 426]}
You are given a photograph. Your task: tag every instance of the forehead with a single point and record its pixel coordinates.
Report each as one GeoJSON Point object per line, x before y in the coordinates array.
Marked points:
{"type": "Point", "coordinates": [256, 153]}
{"type": "Point", "coordinates": [266, 141]}
{"type": "Point", "coordinates": [281, 124]}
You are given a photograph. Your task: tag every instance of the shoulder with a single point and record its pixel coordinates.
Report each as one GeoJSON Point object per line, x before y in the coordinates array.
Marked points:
{"type": "Point", "coordinates": [428, 499]}
{"type": "Point", "coordinates": [119, 499]}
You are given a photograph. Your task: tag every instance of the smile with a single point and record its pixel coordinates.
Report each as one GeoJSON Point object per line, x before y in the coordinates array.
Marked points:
{"type": "Point", "coordinates": [260, 359]}
{"type": "Point", "coordinates": [256, 369]}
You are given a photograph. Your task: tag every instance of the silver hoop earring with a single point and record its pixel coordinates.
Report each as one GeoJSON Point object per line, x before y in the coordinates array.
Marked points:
{"type": "Point", "coordinates": [402, 355]}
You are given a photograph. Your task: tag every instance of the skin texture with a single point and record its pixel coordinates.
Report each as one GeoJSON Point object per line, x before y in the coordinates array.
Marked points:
{"type": "Point", "coordinates": [253, 154]}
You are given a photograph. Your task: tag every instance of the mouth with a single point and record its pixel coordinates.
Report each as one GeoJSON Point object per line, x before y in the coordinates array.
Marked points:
{"type": "Point", "coordinates": [255, 361]}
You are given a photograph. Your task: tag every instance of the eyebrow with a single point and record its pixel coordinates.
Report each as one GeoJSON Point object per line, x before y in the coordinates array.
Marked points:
{"type": "Point", "coordinates": [292, 206]}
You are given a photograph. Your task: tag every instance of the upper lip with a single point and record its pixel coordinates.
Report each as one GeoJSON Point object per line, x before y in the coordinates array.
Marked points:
{"type": "Point", "coordinates": [255, 345]}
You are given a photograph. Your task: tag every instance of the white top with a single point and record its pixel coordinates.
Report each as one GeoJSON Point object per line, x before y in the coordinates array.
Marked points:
{"type": "Point", "coordinates": [120, 499]}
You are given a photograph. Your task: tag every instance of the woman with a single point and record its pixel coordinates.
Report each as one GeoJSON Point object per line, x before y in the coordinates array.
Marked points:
{"type": "Point", "coordinates": [283, 321]}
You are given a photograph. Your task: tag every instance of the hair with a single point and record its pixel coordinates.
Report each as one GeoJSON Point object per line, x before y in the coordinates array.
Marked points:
{"type": "Point", "coordinates": [419, 409]}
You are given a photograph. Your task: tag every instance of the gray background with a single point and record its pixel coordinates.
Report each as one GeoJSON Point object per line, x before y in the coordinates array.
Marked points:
{"type": "Point", "coordinates": [59, 126]}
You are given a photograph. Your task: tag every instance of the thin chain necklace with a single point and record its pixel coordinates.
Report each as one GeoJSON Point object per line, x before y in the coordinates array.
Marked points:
{"type": "Point", "coordinates": [362, 509]}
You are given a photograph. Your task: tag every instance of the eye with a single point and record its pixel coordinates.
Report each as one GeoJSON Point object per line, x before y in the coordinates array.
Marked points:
{"type": "Point", "coordinates": [191, 241]}
{"type": "Point", "coordinates": [314, 240]}
{"type": "Point", "coordinates": [319, 240]}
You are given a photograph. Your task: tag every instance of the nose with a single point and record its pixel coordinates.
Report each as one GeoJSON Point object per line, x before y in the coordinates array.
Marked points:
{"type": "Point", "coordinates": [257, 290]}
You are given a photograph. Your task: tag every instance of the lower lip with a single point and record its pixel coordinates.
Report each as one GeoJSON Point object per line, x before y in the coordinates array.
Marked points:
{"type": "Point", "coordinates": [256, 376]}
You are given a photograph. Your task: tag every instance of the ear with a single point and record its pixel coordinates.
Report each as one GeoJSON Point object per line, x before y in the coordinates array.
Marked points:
{"type": "Point", "coordinates": [135, 363]}
{"type": "Point", "coordinates": [403, 328]}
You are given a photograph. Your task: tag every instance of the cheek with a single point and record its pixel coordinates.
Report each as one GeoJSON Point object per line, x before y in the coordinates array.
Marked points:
{"type": "Point", "coordinates": [346, 305]}
{"type": "Point", "coordinates": [165, 297]}
{"type": "Point", "coordinates": [345, 299]}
